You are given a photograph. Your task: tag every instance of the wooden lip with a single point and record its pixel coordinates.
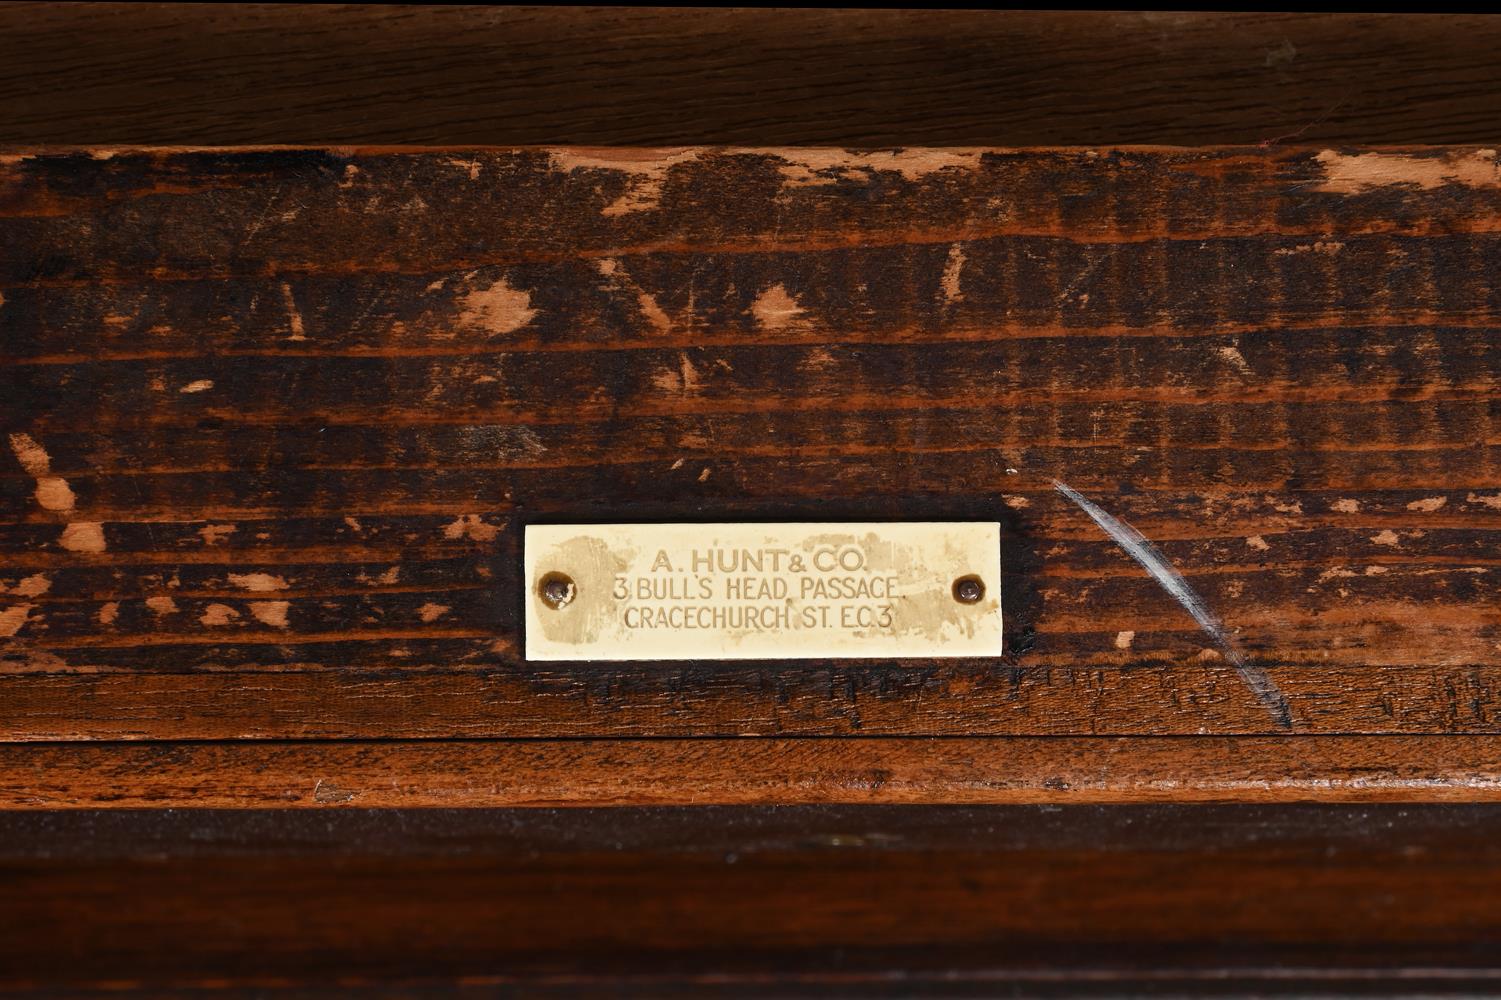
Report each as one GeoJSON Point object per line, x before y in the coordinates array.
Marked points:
{"type": "Point", "coordinates": [508, 773]}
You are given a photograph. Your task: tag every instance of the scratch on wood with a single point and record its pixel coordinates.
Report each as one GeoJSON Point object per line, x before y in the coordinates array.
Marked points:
{"type": "Point", "coordinates": [1140, 549]}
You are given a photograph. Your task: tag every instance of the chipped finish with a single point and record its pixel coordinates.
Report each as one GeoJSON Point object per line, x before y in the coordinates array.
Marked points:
{"type": "Point", "coordinates": [1346, 173]}
{"type": "Point", "coordinates": [402, 358]}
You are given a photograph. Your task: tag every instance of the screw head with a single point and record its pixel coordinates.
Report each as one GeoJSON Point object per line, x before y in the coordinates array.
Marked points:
{"type": "Point", "coordinates": [969, 590]}
{"type": "Point", "coordinates": [557, 590]}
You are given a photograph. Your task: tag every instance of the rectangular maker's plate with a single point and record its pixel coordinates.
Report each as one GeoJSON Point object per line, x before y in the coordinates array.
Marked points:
{"type": "Point", "coordinates": [762, 591]}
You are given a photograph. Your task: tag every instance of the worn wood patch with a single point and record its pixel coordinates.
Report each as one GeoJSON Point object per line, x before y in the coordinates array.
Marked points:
{"type": "Point", "coordinates": [275, 420]}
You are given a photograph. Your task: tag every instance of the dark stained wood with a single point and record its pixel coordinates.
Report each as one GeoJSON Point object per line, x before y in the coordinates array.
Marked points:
{"type": "Point", "coordinates": [793, 900]}
{"type": "Point", "coordinates": [600, 772]}
{"type": "Point", "coordinates": [277, 418]}
{"type": "Point", "coordinates": [812, 699]}
{"type": "Point", "coordinates": [200, 74]}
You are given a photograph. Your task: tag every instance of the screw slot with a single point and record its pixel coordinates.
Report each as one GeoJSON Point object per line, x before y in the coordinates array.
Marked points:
{"type": "Point", "coordinates": [969, 590]}
{"type": "Point", "coordinates": [557, 590]}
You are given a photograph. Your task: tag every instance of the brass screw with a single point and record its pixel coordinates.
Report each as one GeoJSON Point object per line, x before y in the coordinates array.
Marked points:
{"type": "Point", "coordinates": [969, 590]}
{"type": "Point", "coordinates": [557, 590]}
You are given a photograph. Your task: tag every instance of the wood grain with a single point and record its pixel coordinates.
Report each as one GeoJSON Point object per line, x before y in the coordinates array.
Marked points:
{"type": "Point", "coordinates": [492, 774]}
{"type": "Point", "coordinates": [791, 901]}
{"type": "Point", "coordinates": [278, 416]}
{"type": "Point", "coordinates": [278, 73]}
{"type": "Point", "coordinates": [275, 418]}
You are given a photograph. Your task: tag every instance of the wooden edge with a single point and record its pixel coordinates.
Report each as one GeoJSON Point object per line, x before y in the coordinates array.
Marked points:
{"type": "Point", "coordinates": [643, 158]}
{"type": "Point", "coordinates": [1006, 770]}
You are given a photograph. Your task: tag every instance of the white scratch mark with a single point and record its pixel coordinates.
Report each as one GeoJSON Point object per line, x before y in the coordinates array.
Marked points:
{"type": "Point", "coordinates": [1146, 555]}
{"type": "Point", "coordinates": [200, 385]}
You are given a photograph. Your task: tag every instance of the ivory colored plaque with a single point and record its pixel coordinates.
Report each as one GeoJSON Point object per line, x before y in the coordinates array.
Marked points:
{"type": "Point", "coordinates": [762, 591]}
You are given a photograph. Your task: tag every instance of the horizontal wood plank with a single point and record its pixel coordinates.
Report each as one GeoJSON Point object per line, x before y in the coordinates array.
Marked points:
{"type": "Point", "coordinates": [279, 416]}
{"type": "Point", "coordinates": [873, 900]}
{"type": "Point", "coordinates": [424, 775]}
{"type": "Point", "coordinates": [254, 73]}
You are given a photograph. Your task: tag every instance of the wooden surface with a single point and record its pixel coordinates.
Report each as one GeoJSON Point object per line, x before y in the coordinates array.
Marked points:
{"type": "Point", "coordinates": [1128, 900]}
{"type": "Point", "coordinates": [747, 772]}
{"type": "Point", "coordinates": [263, 73]}
{"type": "Point", "coordinates": [276, 420]}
